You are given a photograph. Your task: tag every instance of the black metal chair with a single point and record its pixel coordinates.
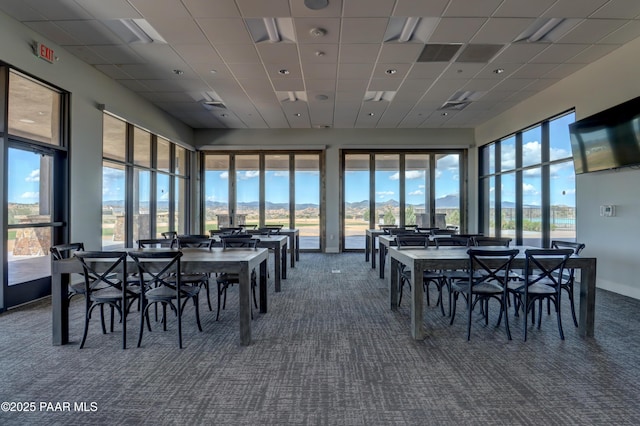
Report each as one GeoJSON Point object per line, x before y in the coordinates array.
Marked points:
{"type": "Point", "coordinates": [451, 275]}
{"type": "Point", "coordinates": [169, 234]}
{"type": "Point", "coordinates": [200, 279]}
{"type": "Point", "coordinates": [163, 285]}
{"type": "Point", "coordinates": [486, 281]}
{"type": "Point", "coordinates": [543, 273]}
{"type": "Point", "coordinates": [65, 251]}
{"type": "Point", "coordinates": [415, 240]}
{"type": "Point", "coordinates": [102, 286]}
{"type": "Point", "coordinates": [568, 278]}
{"type": "Point", "coordinates": [226, 280]}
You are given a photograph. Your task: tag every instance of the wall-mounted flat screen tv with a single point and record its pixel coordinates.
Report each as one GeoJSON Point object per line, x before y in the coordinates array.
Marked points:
{"type": "Point", "coordinates": [608, 139]}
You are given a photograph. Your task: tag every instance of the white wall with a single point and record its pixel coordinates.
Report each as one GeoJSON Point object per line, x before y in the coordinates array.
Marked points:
{"type": "Point", "coordinates": [88, 88]}
{"type": "Point", "coordinates": [334, 140]}
{"type": "Point", "coordinates": [614, 241]}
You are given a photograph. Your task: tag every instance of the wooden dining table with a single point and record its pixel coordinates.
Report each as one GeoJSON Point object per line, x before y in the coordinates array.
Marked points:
{"type": "Point", "coordinates": [239, 261]}
{"type": "Point", "coordinates": [420, 259]}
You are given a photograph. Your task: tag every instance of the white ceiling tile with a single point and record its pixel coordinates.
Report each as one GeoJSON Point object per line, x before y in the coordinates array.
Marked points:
{"type": "Point", "coordinates": [359, 53]}
{"type": "Point", "coordinates": [522, 8]}
{"type": "Point", "coordinates": [198, 54]}
{"type": "Point", "coordinates": [295, 72]}
{"type": "Point", "coordinates": [59, 9]}
{"type": "Point", "coordinates": [179, 30]}
{"type": "Point", "coordinates": [114, 9]}
{"type": "Point", "coordinates": [381, 71]}
{"type": "Point", "coordinates": [462, 70]}
{"type": "Point", "coordinates": [520, 53]}
{"type": "Point", "coordinates": [262, 8]}
{"type": "Point", "coordinates": [353, 85]}
{"type": "Point", "coordinates": [278, 53]}
{"type": "Point", "coordinates": [400, 52]}
{"type": "Point", "coordinates": [563, 70]}
{"type": "Point", "coordinates": [419, 8]}
{"type": "Point", "coordinates": [354, 71]}
{"type": "Point", "coordinates": [593, 53]}
{"type": "Point", "coordinates": [320, 85]}
{"type": "Point", "coordinates": [211, 8]}
{"type": "Point", "coordinates": [333, 9]}
{"type": "Point", "coordinates": [21, 11]}
{"type": "Point", "coordinates": [304, 27]}
{"type": "Point", "coordinates": [53, 32]}
{"type": "Point", "coordinates": [90, 32]}
{"type": "Point", "coordinates": [117, 54]}
{"type": "Point", "coordinates": [618, 9]}
{"type": "Point", "coordinates": [624, 34]}
{"type": "Point", "coordinates": [320, 71]}
{"type": "Point", "coordinates": [86, 54]}
{"type": "Point", "coordinates": [161, 8]}
{"type": "Point", "coordinates": [246, 71]}
{"type": "Point", "coordinates": [456, 30]}
{"type": "Point", "coordinates": [287, 84]}
{"type": "Point", "coordinates": [384, 84]}
{"type": "Point", "coordinates": [363, 30]}
{"type": "Point", "coordinates": [427, 70]}
{"type": "Point", "coordinates": [501, 30]}
{"type": "Point", "coordinates": [468, 8]}
{"type": "Point", "coordinates": [318, 53]}
{"type": "Point", "coordinates": [533, 70]}
{"type": "Point", "coordinates": [225, 31]}
{"type": "Point", "coordinates": [238, 53]}
{"type": "Point", "coordinates": [592, 30]}
{"type": "Point", "coordinates": [559, 53]}
{"type": "Point", "coordinates": [367, 8]}
{"type": "Point", "coordinates": [573, 9]}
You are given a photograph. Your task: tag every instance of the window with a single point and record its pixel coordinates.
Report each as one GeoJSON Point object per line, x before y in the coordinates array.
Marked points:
{"type": "Point", "coordinates": [528, 191]}
{"type": "Point", "coordinates": [402, 188]}
{"type": "Point", "coordinates": [35, 195]}
{"type": "Point", "coordinates": [268, 188]}
{"type": "Point", "coordinates": [144, 184]}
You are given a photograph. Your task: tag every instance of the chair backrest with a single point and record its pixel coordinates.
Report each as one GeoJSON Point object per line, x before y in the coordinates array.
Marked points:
{"type": "Point", "coordinates": [245, 227]}
{"type": "Point", "coordinates": [226, 230]}
{"type": "Point", "coordinates": [100, 267]}
{"type": "Point", "coordinates": [453, 240]}
{"type": "Point", "coordinates": [576, 247]}
{"type": "Point", "coordinates": [193, 241]}
{"type": "Point", "coordinates": [439, 231]}
{"type": "Point", "coordinates": [481, 241]}
{"type": "Point", "coordinates": [412, 240]}
{"type": "Point", "coordinates": [65, 251]}
{"type": "Point", "coordinates": [546, 266]}
{"type": "Point", "coordinates": [169, 234]}
{"type": "Point", "coordinates": [424, 230]}
{"type": "Point", "coordinates": [387, 228]}
{"type": "Point", "coordinates": [401, 231]}
{"type": "Point", "coordinates": [242, 241]}
{"type": "Point", "coordinates": [269, 231]}
{"type": "Point", "coordinates": [490, 265]}
{"type": "Point", "coordinates": [155, 242]}
{"type": "Point", "coordinates": [414, 227]}
{"type": "Point", "coordinates": [156, 266]}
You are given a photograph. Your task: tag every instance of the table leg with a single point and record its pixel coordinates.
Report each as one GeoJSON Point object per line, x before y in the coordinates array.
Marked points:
{"type": "Point", "coordinates": [263, 286]}
{"type": "Point", "coordinates": [367, 247]}
{"type": "Point", "coordinates": [587, 300]}
{"type": "Point", "coordinates": [393, 284]}
{"type": "Point", "coordinates": [60, 308]}
{"type": "Point", "coordinates": [383, 256]}
{"type": "Point", "coordinates": [284, 262]}
{"type": "Point", "coordinates": [297, 247]}
{"type": "Point", "coordinates": [373, 251]}
{"type": "Point", "coordinates": [417, 321]}
{"type": "Point", "coordinates": [293, 254]}
{"type": "Point", "coordinates": [244, 296]}
{"type": "Point", "coordinates": [277, 254]}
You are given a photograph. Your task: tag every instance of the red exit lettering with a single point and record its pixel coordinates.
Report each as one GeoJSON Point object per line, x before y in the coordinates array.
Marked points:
{"type": "Point", "coordinates": [44, 52]}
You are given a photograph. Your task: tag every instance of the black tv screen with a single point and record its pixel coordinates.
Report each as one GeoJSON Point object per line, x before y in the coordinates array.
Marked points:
{"type": "Point", "coordinates": [608, 139]}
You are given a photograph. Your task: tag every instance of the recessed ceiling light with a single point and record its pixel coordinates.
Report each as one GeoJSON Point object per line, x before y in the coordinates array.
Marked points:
{"type": "Point", "coordinates": [498, 70]}
{"type": "Point", "coordinates": [284, 72]}
{"type": "Point", "coordinates": [318, 32]}
{"type": "Point", "coordinates": [371, 114]}
{"type": "Point", "coordinates": [297, 114]}
{"type": "Point", "coordinates": [223, 115]}
{"type": "Point", "coordinates": [444, 114]}
{"type": "Point", "coordinates": [322, 97]}
{"type": "Point", "coordinates": [213, 71]}
{"type": "Point", "coordinates": [178, 72]}
{"type": "Point", "coordinates": [316, 4]}
{"type": "Point", "coordinates": [319, 53]}
{"type": "Point", "coordinates": [391, 71]}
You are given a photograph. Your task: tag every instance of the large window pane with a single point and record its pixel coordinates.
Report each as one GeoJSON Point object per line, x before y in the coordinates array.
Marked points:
{"type": "Point", "coordinates": [113, 211]}
{"type": "Point", "coordinates": [508, 206]}
{"type": "Point", "coordinates": [508, 154]}
{"type": "Point", "coordinates": [532, 207]}
{"type": "Point", "coordinates": [563, 201]}
{"type": "Point", "coordinates": [387, 189]}
{"type": "Point", "coordinates": [247, 191]}
{"type": "Point", "coordinates": [560, 143]}
{"type": "Point", "coordinates": [162, 203]}
{"type": "Point", "coordinates": [307, 196]}
{"type": "Point", "coordinates": [447, 184]}
{"type": "Point", "coordinates": [114, 138]}
{"type": "Point", "coordinates": [180, 205]}
{"type": "Point", "coordinates": [416, 190]}
{"type": "Point", "coordinates": [276, 190]}
{"type": "Point", "coordinates": [216, 190]}
{"type": "Point", "coordinates": [532, 146]}
{"type": "Point", "coordinates": [30, 197]}
{"type": "Point", "coordinates": [34, 110]}
{"type": "Point", "coordinates": [163, 155]}
{"type": "Point", "coordinates": [180, 166]}
{"type": "Point", "coordinates": [356, 200]}
{"type": "Point", "coordinates": [141, 147]}
{"type": "Point", "coordinates": [141, 202]}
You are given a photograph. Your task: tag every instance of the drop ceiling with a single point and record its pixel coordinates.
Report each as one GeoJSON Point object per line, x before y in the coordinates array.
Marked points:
{"type": "Point", "coordinates": [352, 64]}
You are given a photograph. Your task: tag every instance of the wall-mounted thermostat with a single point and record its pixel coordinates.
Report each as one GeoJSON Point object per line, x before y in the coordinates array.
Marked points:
{"type": "Point", "coordinates": [608, 211]}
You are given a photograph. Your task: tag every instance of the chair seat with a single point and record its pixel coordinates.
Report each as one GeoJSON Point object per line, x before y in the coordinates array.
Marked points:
{"type": "Point", "coordinates": [483, 288]}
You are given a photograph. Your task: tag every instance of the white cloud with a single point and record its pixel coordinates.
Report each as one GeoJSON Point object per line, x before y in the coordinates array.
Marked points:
{"type": "Point", "coordinates": [224, 175]}
{"type": "Point", "coordinates": [385, 193]}
{"type": "Point", "coordinates": [34, 176]}
{"type": "Point", "coordinates": [281, 174]}
{"type": "Point", "coordinates": [250, 174]}
{"type": "Point", "coordinates": [30, 195]}
{"type": "Point", "coordinates": [528, 188]}
{"type": "Point", "coordinates": [416, 192]}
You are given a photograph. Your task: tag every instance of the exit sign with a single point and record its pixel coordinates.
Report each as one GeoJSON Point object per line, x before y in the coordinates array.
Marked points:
{"type": "Point", "coordinates": [44, 52]}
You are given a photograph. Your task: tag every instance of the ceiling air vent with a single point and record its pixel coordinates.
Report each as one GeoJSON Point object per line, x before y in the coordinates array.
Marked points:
{"type": "Point", "coordinates": [438, 52]}
{"type": "Point", "coordinates": [481, 53]}
{"type": "Point", "coordinates": [460, 100]}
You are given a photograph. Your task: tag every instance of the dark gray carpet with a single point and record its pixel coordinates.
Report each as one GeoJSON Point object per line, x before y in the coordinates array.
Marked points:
{"type": "Point", "coordinates": [329, 352]}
